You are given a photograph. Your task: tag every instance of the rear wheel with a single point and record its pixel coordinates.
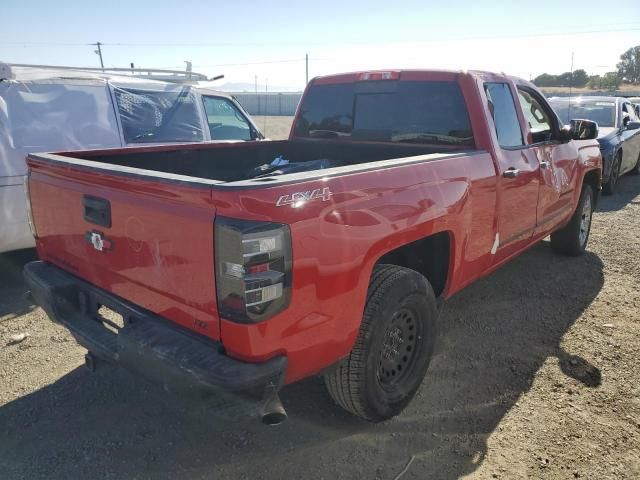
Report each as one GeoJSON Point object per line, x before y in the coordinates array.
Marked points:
{"type": "Point", "coordinates": [393, 349]}
{"type": "Point", "coordinates": [573, 238]}
{"type": "Point", "coordinates": [609, 188]}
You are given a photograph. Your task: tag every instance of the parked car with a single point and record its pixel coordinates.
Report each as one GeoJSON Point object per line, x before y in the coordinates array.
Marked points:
{"type": "Point", "coordinates": [46, 109]}
{"type": "Point", "coordinates": [237, 268]}
{"type": "Point", "coordinates": [619, 128]}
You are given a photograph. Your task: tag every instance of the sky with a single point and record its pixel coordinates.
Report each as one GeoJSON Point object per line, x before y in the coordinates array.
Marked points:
{"type": "Point", "coordinates": [268, 41]}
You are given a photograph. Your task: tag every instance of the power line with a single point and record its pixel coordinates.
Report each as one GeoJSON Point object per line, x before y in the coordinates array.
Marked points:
{"type": "Point", "coordinates": [44, 44]}
{"type": "Point", "coordinates": [293, 60]}
{"type": "Point", "coordinates": [265, 62]}
{"type": "Point", "coordinates": [253, 44]}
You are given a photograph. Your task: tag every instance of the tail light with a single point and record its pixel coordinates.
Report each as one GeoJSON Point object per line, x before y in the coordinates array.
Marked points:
{"type": "Point", "coordinates": [253, 269]}
{"type": "Point", "coordinates": [393, 75]}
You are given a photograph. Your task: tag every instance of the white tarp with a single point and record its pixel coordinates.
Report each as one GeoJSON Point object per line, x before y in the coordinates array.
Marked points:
{"type": "Point", "coordinates": [47, 117]}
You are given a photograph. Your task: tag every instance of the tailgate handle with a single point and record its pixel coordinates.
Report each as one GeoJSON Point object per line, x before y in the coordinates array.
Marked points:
{"type": "Point", "coordinates": [97, 210]}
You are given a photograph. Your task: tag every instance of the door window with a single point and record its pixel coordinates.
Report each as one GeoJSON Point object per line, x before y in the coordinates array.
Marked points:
{"type": "Point", "coordinates": [225, 120]}
{"type": "Point", "coordinates": [538, 116]}
{"type": "Point", "coordinates": [505, 117]}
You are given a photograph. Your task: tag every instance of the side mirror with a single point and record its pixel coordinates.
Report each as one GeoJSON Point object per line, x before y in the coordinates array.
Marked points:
{"type": "Point", "coordinates": [632, 125]}
{"type": "Point", "coordinates": [580, 129]}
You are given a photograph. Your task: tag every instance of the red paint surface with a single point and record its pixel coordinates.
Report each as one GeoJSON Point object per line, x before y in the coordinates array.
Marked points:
{"type": "Point", "coordinates": [163, 232]}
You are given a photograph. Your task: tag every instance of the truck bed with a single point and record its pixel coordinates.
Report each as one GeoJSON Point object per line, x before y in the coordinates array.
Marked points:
{"type": "Point", "coordinates": [234, 162]}
{"type": "Point", "coordinates": [155, 209]}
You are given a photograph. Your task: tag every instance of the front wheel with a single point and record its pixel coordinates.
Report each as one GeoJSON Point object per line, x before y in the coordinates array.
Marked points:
{"type": "Point", "coordinates": [572, 239]}
{"type": "Point", "coordinates": [636, 169]}
{"type": "Point", "coordinates": [609, 188]}
{"type": "Point", "coordinates": [393, 349]}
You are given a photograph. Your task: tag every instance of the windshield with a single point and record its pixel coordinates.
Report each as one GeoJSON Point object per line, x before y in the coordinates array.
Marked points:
{"type": "Point", "coordinates": [149, 116]}
{"type": "Point", "coordinates": [601, 111]}
{"type": "Point", "coordinates": [389, 111]}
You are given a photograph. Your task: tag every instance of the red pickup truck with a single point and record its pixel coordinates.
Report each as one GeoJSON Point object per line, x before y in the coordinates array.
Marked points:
{"type": "Point", "coordinates": [234, 269]}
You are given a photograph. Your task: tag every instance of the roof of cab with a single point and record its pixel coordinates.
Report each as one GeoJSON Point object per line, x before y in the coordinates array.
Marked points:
{"type": "Point", "coordinates": [414, 74]}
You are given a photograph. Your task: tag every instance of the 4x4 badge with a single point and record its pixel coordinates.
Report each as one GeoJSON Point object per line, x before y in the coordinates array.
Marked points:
{"type": "Point", "coordinates": [297, 199]}
{"type": "Point", "coordinates": [99, 241]}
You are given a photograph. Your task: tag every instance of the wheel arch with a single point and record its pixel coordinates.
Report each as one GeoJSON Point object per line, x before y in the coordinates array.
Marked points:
{"type": "Point", "coordinates": [593, 178]}
{"type": "Point", "coordinates": [430, 256]}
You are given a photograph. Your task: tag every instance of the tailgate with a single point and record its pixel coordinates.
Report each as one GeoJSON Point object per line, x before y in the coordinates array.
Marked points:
{"type": "Point", "coordinates": [143, 239]}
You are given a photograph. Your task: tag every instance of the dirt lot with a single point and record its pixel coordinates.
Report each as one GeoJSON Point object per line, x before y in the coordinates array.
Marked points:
{"type": "Point", "coordinates": [275, 128]}
{"type": "Point", "coordinates": [535, 375]}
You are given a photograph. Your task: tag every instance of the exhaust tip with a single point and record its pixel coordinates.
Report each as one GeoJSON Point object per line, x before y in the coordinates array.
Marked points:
{"type": "Point", "coordinates": [274, 418]}
{"type": "Point", "coordinates": [273, 412]}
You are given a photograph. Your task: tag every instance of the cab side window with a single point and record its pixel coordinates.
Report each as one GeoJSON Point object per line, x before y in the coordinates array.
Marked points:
{"type": "Point", "coordinates": [225, 120]}
{"type": "Point", "coordinates": [628, 114]}
{"type": "Point", "coordinates": [537, 115]}
{"type": "Point", "coordinates": [505, 117]}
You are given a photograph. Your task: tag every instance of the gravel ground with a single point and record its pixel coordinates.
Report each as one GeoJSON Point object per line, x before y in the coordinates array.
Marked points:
{"type": "Point", "coordinates": [535, 376]}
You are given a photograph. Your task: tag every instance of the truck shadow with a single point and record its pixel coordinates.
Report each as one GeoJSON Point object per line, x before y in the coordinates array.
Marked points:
{"type": "Point", "coordinates": [14, 298]}
{"type": "Point", "coordinates": [495, 336]}
{"type": "Point", "coordinates": [627, 192]}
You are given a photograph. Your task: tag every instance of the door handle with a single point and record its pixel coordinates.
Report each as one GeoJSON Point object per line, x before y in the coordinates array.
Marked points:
{"type": "Point", "coordinates": [544, 164]}
{"type": "Point", "coordinates": [97, 210]}
{"type": "Point", "coordinates": [511, 173]}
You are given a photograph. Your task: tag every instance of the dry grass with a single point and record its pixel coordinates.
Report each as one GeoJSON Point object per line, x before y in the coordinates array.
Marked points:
{"type": "Point", "coordinates": [622, 90]}
{"type": "Point", "coordinates": [275, 128]}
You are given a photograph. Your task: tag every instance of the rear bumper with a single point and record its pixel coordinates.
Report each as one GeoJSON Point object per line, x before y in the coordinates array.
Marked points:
{"type": "Point", "coordinates": [153, 347]}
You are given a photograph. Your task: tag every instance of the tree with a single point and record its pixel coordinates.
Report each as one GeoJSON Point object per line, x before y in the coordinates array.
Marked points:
{"type": "Point", "coordinates": [629, 65]}
{"type": "Point", "coordinates": [564, 79]}
{"type": "Point", "coordinates": [595, 82]}
{"type": "Point", "coordinates": [546, 80]}
{"type": "Point", "coordinates": [611, 80]}
{"type": "Point", "coordinates": [580, 78]}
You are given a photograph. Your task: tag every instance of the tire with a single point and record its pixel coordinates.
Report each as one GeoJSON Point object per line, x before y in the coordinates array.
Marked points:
{"type": "Point", "coordinates": [636, 169]}
{"type": "Point", "coordinates": [394, 347]}
{"type": "Point", "coordinates": [572, 239]}
{"type": "Point", "coordinates": [609, 188]}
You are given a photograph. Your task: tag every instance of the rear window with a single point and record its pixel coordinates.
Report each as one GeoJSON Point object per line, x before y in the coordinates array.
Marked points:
{"type": "Point", "coordinates": [389, 111]}
{"type": "Point", "coordinates": [150, 116]}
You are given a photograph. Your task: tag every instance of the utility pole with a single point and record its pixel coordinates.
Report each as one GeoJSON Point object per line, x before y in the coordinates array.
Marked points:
{"type": "Point", "coordinates": [98, 51]}
{"type": "Point", "coordinates": [266, 103]}
{"type": "Point", "coordinates": [255, 79]}
{"type": "Point", "coordinates": [306, 64]}
{"type": "Point", "coordinates": [570, 88]}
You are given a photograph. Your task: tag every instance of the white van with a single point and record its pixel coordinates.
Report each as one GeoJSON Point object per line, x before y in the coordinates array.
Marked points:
{"type": "Point", "coordinates": [44, 110]}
